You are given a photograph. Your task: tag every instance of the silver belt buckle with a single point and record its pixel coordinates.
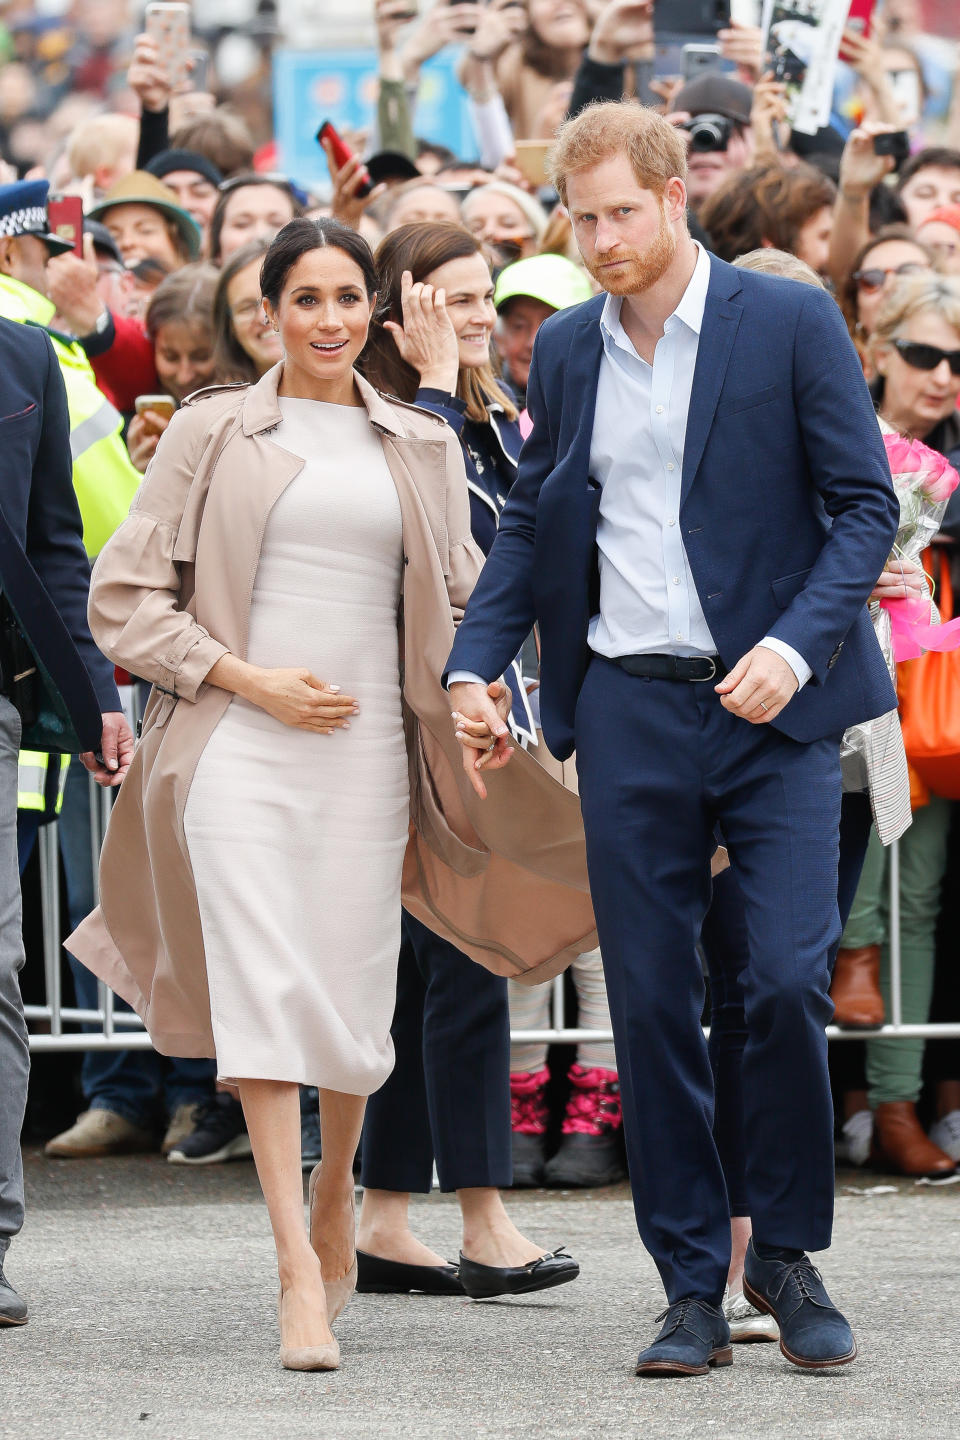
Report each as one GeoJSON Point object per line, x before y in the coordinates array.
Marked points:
{"type": "Point", "coordinates": [702, 680]}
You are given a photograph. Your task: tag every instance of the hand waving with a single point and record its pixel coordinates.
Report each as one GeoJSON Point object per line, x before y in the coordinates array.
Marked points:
{"type": "Point", "coordinates": [426, 340]}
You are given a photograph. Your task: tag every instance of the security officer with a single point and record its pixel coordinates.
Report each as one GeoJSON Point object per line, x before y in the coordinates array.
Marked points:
{"type": "Point", "coordinates": [44, 579]}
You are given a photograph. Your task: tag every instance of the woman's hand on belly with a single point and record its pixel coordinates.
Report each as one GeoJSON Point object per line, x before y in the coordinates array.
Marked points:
{"type": "Point", "coordinates": [295, 697]}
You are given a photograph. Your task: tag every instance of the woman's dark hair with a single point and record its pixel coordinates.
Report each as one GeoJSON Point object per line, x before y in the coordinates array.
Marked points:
{"type": "Point", "coordinates": [227, 191]}
{"type": "Point", "coordinates": [422, 248]}
{"type": "Point", "coordinates": [185, 297]}
{"type": "Point", "coordinates": [297, 238]}
{"type": "Point", "coordinates": [233, 362]}
{"type": "Point", "coordinates": [848, 294]}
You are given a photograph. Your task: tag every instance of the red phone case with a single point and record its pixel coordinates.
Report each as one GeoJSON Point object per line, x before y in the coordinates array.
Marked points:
{"type": "Point", "coordinates": [66, 221]}
{"type": "Point", "coordinates": [342, 153]}
{"type": "Point", "coordinates": [860, 19]}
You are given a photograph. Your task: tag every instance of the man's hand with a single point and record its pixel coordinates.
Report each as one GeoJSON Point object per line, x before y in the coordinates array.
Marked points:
{"type": "Point", "coordinates": [758, 687]}
{"type": "Point", "coordinates": [743, 44]}
{"type": "Point", "coordinates": [480, 715]}
{"type": "Point", "coordinates": [624, 31]}
{"type": "Point", "coordinates": [116, 747]}
{"type": "Point", "coordinates": [71, 284]}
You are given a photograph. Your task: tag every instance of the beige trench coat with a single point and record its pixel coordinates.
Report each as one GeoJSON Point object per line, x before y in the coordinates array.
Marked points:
{"type": "Point", "coordinates": [504, 879]}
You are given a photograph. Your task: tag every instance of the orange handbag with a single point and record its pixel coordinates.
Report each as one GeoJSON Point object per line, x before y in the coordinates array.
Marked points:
{"type": "Point", "coordinates": [929, 690]}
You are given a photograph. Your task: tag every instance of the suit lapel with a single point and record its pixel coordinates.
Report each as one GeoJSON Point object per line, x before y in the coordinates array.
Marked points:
{"type": "Point", "coordinates": [581, 374]}
{"type": "Point", "coordinates": [721, 320]}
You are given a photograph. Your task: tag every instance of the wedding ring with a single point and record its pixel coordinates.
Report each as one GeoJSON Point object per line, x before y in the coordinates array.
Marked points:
{"type": "Point", "coordinates": [763, 706]}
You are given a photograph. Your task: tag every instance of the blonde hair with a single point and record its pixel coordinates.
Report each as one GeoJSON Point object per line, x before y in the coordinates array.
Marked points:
{"type": "Point", "coordinates": [101, 140]}
{"type": "Point", "coordinates": [656, 150]}
{"type": "Point", "coordinates": [768, 261]}
{"type": "Point", "coordinates": [530, 208]}
{"type": "Point", "coordinates": [915, 295]}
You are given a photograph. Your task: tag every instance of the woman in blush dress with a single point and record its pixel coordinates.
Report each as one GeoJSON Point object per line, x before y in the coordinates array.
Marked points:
{"type": "Point", "coordinates": [291, 541]}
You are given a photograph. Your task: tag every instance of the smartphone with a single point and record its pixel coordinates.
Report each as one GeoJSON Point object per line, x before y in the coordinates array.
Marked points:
{"type": "Point", "coordinates": [342, 153]}
{"type": "Point", "coordinates": [467, 28]}
{"type": "Point", "coordinates": [531, 158]}
{"type": "Point", "coordinates": [200, 65]}
{"type": "Point", "coordinates": [893, 142]}
{"type": "Point", "coordinates": [691, 17]}
{"type": "Point", "coordinates": [167, 22]}
{"type": "Point", "coordinates": [860, 19]}
{"type": "Point", "coordinates": [697, 58]}
{"type": "Point", "coordinates": [163, 405]}
{"type": "Point", "coordinates": [65, 217]}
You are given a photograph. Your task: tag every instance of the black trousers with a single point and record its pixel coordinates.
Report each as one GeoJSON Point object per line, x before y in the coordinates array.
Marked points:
{"type": "Point", "coordinates": [448, 1098]}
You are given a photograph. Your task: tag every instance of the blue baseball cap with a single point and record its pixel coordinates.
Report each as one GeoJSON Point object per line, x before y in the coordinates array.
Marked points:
{"type": "Point", "coordinates": [23, 211]}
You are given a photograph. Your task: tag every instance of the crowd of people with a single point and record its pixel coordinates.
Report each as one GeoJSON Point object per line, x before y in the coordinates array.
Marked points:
{"type": "Point", "coordinates": [183, 197]}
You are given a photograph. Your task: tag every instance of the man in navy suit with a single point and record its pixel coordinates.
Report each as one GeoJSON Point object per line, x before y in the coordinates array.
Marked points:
{"type": "Point", "coordinates": [701, 512]}
{"type": "Point", "coordinates": [44, 580]}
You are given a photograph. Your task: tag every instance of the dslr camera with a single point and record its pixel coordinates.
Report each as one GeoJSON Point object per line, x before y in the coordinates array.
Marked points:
{"type": "Point", "coordinates": [709, 132]}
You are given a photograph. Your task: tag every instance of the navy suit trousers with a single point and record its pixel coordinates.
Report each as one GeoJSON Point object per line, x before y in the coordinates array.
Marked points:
{"type": "Point", "coordinates": [661, 763]}
{"type": "Point", "coordinates": [449, 1094]}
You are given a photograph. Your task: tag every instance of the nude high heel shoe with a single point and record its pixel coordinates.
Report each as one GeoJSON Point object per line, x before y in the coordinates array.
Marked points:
{"type": "Point", "coordinates": [338, 1291]}
{"type": "Point", "coordinates": [306, 1357]}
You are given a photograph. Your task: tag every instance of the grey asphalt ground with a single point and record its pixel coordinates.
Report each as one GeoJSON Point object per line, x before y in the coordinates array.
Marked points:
{"type": "Point", "coordinates": [153, 1298]}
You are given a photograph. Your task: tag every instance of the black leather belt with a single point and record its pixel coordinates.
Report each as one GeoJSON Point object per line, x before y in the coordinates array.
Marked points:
{"type": "Point", "coordinates": [673, 667]}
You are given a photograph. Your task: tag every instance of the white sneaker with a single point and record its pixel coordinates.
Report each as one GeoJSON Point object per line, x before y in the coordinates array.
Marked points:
{"type": "Point", "coordinates": [856, 1138]}
{"type": "Point", "coordinates": [746, 1323]}
{"type": "Point", "coordinates": [946, 1134]}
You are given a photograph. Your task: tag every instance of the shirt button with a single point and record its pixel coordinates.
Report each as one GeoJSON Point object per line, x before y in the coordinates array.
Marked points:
{"type": "Point", "coordinates": [671, 466]}
{"type": "Point", "coordinates": [659, 409]}
{"type": "Point", "coordinates": [671, 522]}
{"type": "Point", "coordinates": [679, 634]}
{"type": "Point", "coordinates": [676, 579]}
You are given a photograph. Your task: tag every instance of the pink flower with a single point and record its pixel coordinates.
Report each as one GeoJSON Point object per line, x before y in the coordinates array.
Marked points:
{"type": "Point", "coordinates": [902, 454]}
{"type": "Point", "coordinates": [938, 479]}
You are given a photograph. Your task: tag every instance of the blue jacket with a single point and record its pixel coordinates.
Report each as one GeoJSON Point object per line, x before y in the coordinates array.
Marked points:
{"type": "Point", "coordinates": [490, 454]}
{"type": "Point", "coordinates": [787, 507]}
{"type": "Point", "coordinates": [44, 571]}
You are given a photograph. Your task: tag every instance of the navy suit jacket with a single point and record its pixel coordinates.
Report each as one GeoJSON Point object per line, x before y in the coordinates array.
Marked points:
{"type": "Point", "coordinates": [44, 571]}
{"type": "Point", "coordinates": [787, 507]}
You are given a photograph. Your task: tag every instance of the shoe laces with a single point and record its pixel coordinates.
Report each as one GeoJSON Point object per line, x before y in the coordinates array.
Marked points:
{"type": "Point", "coordinates": [594, 1105]}
{"type": "Point", "coordinates": [802, 1276]}
{"type": "Point", "coordinates": [679, 1312]}
{"type": "Point", "coordinates": [528, 1102]}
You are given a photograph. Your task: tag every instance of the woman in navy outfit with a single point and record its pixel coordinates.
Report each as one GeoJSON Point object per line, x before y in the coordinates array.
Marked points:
{"type": "Point", "coordinates": [448, 1099]}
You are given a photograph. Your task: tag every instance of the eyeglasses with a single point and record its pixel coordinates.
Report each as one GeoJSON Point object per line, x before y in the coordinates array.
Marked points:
{"type": "Point", "coordinates": [926, 357]}
{"type": "Point", "coordinates": [875, 278]}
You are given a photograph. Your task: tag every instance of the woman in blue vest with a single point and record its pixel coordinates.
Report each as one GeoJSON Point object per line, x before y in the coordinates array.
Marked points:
{"type": "Point", "coordinates": [448, 1098]}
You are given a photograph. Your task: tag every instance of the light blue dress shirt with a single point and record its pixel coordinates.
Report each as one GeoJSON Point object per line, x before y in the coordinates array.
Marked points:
{"type": "Point", "coordinates": [648, 602]}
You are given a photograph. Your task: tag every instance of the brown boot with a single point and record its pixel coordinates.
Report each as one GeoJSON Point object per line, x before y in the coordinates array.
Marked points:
{"type": "Point", "coordinates": [901, 1144]}
{"type": "Point", "coordinates": [855, 989]}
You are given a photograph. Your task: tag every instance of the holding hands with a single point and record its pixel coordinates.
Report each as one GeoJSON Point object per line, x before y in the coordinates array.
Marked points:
{"type": "Point", "coordinates": [480, 715]}
{"type": "Point", "coordinates": [426, 340]}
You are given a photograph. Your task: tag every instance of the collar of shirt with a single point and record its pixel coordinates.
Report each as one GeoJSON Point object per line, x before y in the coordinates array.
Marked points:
{"type": "Point", "coordinates": [689, 310]}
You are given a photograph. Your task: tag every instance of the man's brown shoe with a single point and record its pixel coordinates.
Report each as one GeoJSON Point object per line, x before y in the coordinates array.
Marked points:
{"type": "Point", "coordinates": [100, 1132]}
{"type": "Point", "coordinates": [855, 989]}
{"type": "Point", "coordinates": [900, 1143]}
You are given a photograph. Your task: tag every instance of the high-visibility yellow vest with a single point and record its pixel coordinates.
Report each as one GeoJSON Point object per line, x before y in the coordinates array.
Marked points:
{"type": "Point", "coordinates": [41, 781]}
{"type": "Point", "coordinates": [103, 477]}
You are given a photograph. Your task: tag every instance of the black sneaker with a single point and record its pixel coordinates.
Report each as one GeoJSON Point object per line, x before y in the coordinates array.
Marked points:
{"type": "Point", "coordinates": [309, 1127]}
{"type": "Point", "coordinates": [219, 1133]}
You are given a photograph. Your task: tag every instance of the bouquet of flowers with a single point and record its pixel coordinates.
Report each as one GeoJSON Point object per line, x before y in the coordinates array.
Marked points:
{"type": "Point", "coordinates": [924, 482]}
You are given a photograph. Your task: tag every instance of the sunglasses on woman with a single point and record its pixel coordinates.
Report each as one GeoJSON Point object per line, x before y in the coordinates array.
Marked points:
{"type": "Point", "coordinates": [926, 357]}
{"type": "Point", "coordinates": [874, 278]}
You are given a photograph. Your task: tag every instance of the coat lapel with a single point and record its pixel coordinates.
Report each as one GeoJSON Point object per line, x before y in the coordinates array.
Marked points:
{"type": "Point", "coordinates": [721, 320]}
{"type": "Point", "coordinates": [580, 394]}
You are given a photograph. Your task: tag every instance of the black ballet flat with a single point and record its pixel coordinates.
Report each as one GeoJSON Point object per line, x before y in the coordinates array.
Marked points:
{"type": "Point", "coordinates": [376, 1276]}
{"type": "Point", "coordinates": [484, 1282]}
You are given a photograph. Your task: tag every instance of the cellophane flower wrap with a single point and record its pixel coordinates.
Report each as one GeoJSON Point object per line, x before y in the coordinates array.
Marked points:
{"type": "Point", "coordinates": [924, 481]}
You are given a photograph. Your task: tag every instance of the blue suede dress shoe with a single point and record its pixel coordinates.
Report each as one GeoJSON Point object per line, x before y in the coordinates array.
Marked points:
{"type": "Point", "coordinates": [694, 1337]}
{"type": "Point", "coordinates": [813, 1333]}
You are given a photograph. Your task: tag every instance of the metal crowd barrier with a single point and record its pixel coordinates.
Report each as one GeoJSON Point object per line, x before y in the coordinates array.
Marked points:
{"type": "Point", "coordinates": [122, 1030]}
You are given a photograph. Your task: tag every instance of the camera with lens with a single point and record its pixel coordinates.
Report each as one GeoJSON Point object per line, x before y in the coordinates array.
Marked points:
{"type": "Point", "coordinates": [709, 132]}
